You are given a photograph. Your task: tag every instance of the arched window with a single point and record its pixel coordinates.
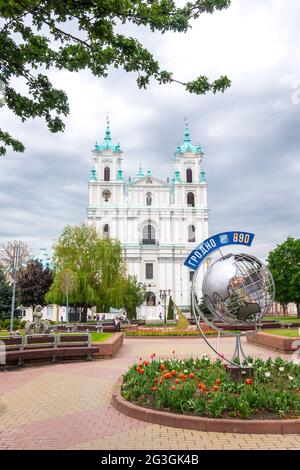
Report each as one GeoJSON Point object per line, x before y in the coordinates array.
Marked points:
{"type": "Point", "coordinates": [191, 233]}
{"type": "Point", "coordinates": [189, 176]}
{"type": "Point", "coordinates": [106, 173]}
{"type": "Point", "coordinates": [150, 299]}
{"type": "Point", "coordinates": [149, 235]}
{"type": "Point", "coordinates": [106, 231]}
{"type": "Point", "coordinates": [190, 199]}
{"type": "Point", "coordinates": [149, 199]}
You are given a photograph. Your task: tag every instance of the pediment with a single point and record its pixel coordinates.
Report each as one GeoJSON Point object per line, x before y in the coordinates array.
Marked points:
{"type": "Point", "coordinates": [148, 181]}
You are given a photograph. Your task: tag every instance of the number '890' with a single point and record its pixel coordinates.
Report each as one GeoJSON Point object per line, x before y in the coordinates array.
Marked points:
{"type": "Point", "coordinates": [241, 237]}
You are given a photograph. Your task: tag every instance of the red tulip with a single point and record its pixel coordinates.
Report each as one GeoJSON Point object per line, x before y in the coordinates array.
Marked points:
{"type": "Point", "coordinates": [141, 371]}
{"type": "Point", "coordinates": [249, 381]}
{"type": "Point", "coordinates": [146, 363]}
{"type": "Point", "coordinates": [191, 375]}
{"type": "Point", "coordinates": [162, 367]}
{"type": "Point", "coordinates": [177, 381]}
{"type": "Point", "coordinates": [173, 373]}
{"type": "Point", "coordinates": [218, 381]}
{"type": "Point", "coordinates": [154, 389]}
{"type": "Point", "coordinates": [215, 388]}
{"type": "Point", "coordinates": [173, 387]}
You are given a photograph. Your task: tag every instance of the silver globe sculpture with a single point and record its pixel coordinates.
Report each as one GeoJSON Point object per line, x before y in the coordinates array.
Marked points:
{"type": "Point", "coordinates": [238, 289]}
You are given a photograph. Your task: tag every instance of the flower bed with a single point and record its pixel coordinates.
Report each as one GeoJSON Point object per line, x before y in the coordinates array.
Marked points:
{"type": "Point", "coordinates": [146, 331]}
{"type": "Point", "coordinates": [204, 388]}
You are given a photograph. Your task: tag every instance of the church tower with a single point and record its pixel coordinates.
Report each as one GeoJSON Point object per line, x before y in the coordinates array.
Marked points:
{"type": "Point", "coordinates": [106, 186]}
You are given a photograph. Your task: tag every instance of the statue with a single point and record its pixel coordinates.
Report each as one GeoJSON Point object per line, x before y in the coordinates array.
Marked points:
{"type": "Point", "coordinates": [38, 325]}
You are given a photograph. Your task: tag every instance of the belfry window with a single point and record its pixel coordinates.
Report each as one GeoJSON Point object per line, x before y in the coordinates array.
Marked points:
{"type": "Point", "coordinates": [106, 173]}
{"type": "Point", "coordinates": [191, 233]}
{"type": "Point", "coordinates": [149, 235]}
{"type": "Point", "coordinates": [190, 199]}
{"type": "Point", "coordinates": [189, 176]}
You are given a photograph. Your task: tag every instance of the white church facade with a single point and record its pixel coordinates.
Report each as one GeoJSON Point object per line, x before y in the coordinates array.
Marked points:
{"type": "Point", "coordinates": [157, 222]}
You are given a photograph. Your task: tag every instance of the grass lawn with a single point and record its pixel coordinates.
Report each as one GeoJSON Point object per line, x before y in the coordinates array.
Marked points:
{"type": "Point", "coordinates": [4, 333]}
{"type": "Point", "coordinates": [100, 337]}
{"type": "Point", "coordinates": [291, 332]}
{"type": "Point", "coordinates": [96, 337]}
{"type": "Point", "coordinates": [284, 319]}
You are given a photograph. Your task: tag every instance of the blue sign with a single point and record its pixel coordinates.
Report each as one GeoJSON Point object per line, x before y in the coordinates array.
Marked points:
{"type": "Point", "coordinates": [215, 242]}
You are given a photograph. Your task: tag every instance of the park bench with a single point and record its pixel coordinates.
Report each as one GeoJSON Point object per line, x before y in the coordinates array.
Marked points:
{"type": "Point", "coordinates": [51, 347]}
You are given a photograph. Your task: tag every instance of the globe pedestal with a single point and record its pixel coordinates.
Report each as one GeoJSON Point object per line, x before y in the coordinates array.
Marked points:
{"type": "Point", "coordinates": [239, 374]}
{"type": "Point", "coordinates": [238, 355]}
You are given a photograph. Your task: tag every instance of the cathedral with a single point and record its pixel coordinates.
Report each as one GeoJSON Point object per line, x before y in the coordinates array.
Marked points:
{"type": "Point", "coordinates": [157, 222]}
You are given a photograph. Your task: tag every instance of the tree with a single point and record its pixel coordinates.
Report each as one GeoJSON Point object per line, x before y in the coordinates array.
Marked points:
{"type": "Point", "coordinates": [5, 296]}
{"type": "Point", "coordinates": [7, 253]}
{"type": "Point", "coordinates": [33, 281]}
{"type": "Point", "coordinates": [37, 35]}
{"type": "Point", "coordinates": [96, 267]}
{"type": "Point", "coordinates": [134, 296]}
{"type": "Point", "coordinates": [171, 309]}
{"type": "Point", "coordinates": [284, 264]}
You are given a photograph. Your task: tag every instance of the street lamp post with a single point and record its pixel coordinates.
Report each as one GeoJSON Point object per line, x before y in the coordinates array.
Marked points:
{"type": "Point", "coordinates": [163, 295]}
{"type": "Point", "coordinates": [13, 300]}
{"type": "Point", "coordinates": [67, 297]}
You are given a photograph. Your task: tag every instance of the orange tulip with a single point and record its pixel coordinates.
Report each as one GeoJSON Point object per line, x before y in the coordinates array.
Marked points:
{"type": "Point", "coordinates": [249, 381]}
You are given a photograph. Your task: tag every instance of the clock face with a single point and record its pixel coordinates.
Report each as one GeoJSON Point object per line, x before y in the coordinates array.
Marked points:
{"type": "Point", "coordinates": [106, 194]}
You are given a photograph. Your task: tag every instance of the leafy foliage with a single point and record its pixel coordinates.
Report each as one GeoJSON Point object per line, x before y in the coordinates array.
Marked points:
{"type": "Point", "coordinates": [96, 272]}
{"type": "Point", "coordinates": [73, 35]}
{"type": "Point", "coordinates": [134, 296]}
{"type": "Point", "coordinates": [205, 388]}
{"type": "Point", "coordinates": [33, 281]}
{"type": "Point", "coordinates": [284, 264]}
{"type": "Point", "coordinates": [5, 296]}
{"type": "Point", "coordinates": [171, 309]}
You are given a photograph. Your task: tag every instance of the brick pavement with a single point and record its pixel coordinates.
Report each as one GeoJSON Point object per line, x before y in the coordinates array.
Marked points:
{"type": "Point", "coordinates": [67, 406]}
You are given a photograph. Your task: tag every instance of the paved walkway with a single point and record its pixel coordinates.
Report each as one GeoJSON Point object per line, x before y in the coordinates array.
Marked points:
{"type": "Point", "coordinates": [67, 406]}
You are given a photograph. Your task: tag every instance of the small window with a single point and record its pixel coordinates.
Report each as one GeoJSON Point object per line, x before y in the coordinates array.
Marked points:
{"type": "Point", "coordinates": [149, 270]}
{"type": "Point", "coordinates": [191, 234]}
{"type": "Point", "coordinates": [106, 231]}
{"type": "Point", "coordinates": [191, 274]}
{"type": "Point", "coordinates": [189, 176]}
{"type": "Point", "coordinates": [190, 199]}
{"type": "Point", "coordinates": [150, 299]}
{"type": "Point", "coordinates": [106, 173]}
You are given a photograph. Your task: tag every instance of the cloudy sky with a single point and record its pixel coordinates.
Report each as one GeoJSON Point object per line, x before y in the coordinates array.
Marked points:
{"type": "Point", "coordinates": [250, 135]}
